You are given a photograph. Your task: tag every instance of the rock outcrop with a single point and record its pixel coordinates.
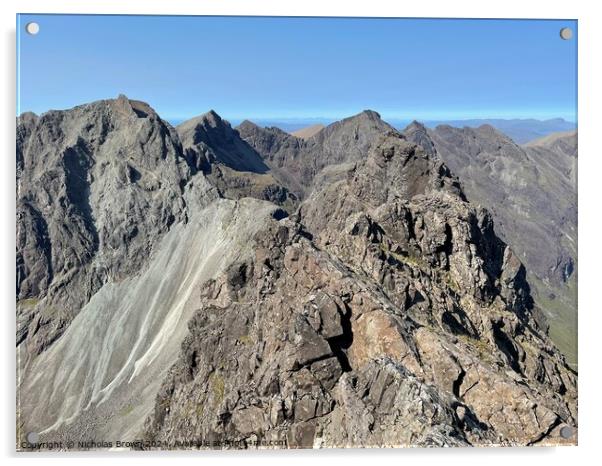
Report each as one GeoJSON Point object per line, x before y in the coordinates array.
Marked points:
{"type": "Point", "coordinates": [99, 379]}
{"type": "Point", "coordinates": [531, 192]}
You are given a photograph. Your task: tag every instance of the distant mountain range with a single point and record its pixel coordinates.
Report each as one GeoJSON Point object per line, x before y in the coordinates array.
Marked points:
{"type": "Point", "coordinates": [519, 130]}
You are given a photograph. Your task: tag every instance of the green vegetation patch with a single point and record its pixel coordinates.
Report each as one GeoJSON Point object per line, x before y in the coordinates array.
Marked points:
{"type": "Point", "coordinates": [217, 387]}
{"type": "Point", "coordinates": [28, 302]}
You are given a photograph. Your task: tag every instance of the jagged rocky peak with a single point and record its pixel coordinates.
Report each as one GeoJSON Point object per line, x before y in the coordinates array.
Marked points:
{"type": "Point", "coordinates": [98, 185]}
{"type": "Point", "coordinates": [203, 126]}
{"type": "Point", "coordinates": [267, 140]}
{"type": "Point", "coordinates": [353, 132]}
{"type": "Point", "coordinates": [394, 169]}
{"type": "Point", "coordinates": [367, 114]}
{"type": "Point", "coordinates": [208, 138]}
{"type": "Point", "coordinates": [395, 186]}
{"type": "Point", "coordinates": [247, 125]}
{"type": "Point", "coordinates": [234, 167]}
{"type": "Point", "coordinates": [213, 118]}
{"type": "Point", "coordinates": [531, 191]}
{"type": "Point", "coordinates": [214, 140]}
{"type": "Point", "coordinates": [250, 130]}
{"type": "Point", "coordinates": [415, 126]}
{"type": "Point", "coordinates": [418, 133]}
{"type": "Point", "coordinates": [400, 169]}
{"type": "Point", "coordinates": [140, 109]}
{"type": "Point", "coordinates": [131, 121]}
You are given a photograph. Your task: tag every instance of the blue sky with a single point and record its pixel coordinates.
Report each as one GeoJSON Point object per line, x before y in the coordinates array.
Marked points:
{"type": "Point", "coordinates": [245, 67]}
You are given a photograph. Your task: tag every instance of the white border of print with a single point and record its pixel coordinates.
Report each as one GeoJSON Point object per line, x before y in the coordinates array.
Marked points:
{"type": "Point", "coordinates": [590, 226]}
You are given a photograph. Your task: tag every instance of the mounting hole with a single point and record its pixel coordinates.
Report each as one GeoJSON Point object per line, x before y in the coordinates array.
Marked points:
{"type": "Point", "coordinates": [566, 33]}
{"type": "Point", "coordinates": [32, 28]}
{"type": "Point", "coordinates": [33, 438]}
{"type": "Point", "coordinates": [566, 432]}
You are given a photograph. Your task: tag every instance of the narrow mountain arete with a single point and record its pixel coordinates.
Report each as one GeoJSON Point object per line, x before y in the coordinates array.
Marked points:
{"type": "Point", "coordinates": [206, 285]}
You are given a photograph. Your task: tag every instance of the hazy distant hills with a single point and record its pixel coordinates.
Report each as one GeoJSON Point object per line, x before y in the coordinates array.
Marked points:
{"type": "Point", "coordinates": [519, 130]}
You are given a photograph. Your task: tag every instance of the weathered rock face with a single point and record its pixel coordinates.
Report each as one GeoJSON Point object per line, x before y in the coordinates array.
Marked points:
{"type": "Point", "coordinates": [97, 186]}
{"type": "Point", "coordinates": [282, 152]}
{"type": "Point", "coordinates": [531, 193]}
{"type": "Point", "coordinates": [208, 139]}
{"type": "Point", "coordinates": [493, 169]}
{"type": "Point", "coordinates": [385, 313]}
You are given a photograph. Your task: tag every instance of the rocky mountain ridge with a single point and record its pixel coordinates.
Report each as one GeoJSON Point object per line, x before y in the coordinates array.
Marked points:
{"type": "Point", "coordinates": [298, 161]}
{"type": "Point", "coordinates": [214, 148]}
{"type": "Point", "coordinates": [359, 300]}
{"type": "Point", "coordinates": [351, 317]}
{"type": "Point", "coordinates": [521, 131]}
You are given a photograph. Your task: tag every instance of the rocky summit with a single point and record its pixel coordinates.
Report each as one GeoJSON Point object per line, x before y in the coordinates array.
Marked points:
{"type": "Point", "coordinates": [214, 287]}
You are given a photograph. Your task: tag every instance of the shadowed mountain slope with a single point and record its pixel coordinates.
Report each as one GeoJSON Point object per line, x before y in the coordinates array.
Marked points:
{"type": "Point", "coordinates": [213, 147]}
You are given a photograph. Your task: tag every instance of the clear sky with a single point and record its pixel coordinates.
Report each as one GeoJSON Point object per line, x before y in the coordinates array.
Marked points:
{"type": "Point", "coordinates": [246, 67]}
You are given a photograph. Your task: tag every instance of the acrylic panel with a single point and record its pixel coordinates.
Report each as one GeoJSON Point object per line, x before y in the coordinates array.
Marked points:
{"type": "Point", "coordinates": [294, 232]}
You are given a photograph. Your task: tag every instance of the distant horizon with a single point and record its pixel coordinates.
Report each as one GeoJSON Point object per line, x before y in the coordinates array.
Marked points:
{"type": "Point", "coordinates": [317, 119]}
{"type": "Point", "coordinates": [324, 120]}
{"type": "Point", "coordinates": [320, 119]}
